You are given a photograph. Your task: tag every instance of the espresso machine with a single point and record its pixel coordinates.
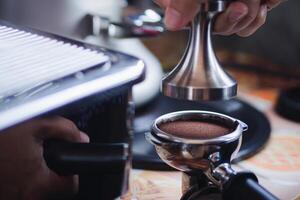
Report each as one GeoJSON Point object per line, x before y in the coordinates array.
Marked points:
{"type": "Point", "coordinates": [46, 75]}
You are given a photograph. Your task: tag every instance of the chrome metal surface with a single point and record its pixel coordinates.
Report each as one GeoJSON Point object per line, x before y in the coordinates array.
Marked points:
{"type": "Point", "coordinates": [237, 126]}
{"type": "Point", "coordinates": [223, 173]}
{"type": "Point", "coordinates": [213, 5]}
{"type": "Point", "coordinates": [147, 23]}
{"type": "Point", "coordinates": [198, 155]}
{"type": "Point", "coordinates": [30, 60]}
{"type": "Point", "coordinates": [199, 76]}
{"type": "Point", "coordinates": [63, 17]}
{"type": "Point", "coordinates": [66, 78]}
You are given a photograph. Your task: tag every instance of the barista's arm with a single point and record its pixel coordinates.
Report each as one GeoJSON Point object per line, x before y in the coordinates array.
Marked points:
{"type": "Point", "coordinates": [242, 17]}
{"type": "Point", "coordinates": [23, 171]}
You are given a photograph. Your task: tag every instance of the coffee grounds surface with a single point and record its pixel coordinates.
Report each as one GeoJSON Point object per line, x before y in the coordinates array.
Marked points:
{"type": "Point", "coordinates": [194, 129]}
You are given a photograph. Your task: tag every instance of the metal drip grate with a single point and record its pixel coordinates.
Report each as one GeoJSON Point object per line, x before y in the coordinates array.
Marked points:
{"type": "Point", "coordinates": [28, 60]}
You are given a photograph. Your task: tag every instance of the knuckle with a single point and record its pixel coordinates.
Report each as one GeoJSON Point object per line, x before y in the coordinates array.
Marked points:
{"type": "Point", "coordinates": [45, 124]}
{"type": "Point", "coordinates": [69, 123]}
{"type": "Point", "coordinates": [251, 15]}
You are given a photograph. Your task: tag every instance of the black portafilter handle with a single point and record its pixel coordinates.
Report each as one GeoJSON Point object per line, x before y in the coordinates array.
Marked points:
{"type": "Point", "coordinates": [66, 158]}
{"type": "Point", "coordinates": [244, 185]}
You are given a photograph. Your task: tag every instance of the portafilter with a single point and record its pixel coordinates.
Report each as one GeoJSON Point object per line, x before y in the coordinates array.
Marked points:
{"type": "Point", "coordinates": [208, 158]}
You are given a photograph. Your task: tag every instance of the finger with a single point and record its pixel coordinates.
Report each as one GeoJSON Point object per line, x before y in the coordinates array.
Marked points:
{"type": "Point", "coordinates": [253, 8]}
{"type": "Point", "coordinates": [258, 22]}
{"type": "Point", "coordinates": [179, 13]}
{"type": "Point", "coordinates": [60, 128]}
{"type": "Point", "coordinates": [226, 21]}
{"type": "Point", "coordinates": [273, 3]}
{"type": "Point", "coordinates": [84, 137]}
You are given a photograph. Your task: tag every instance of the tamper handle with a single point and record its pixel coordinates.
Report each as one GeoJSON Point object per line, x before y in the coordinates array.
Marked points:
{"type": "Point", "coordinates": [245, 186]}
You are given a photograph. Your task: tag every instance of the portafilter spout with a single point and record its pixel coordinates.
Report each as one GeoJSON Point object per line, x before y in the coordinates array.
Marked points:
{"type": "Point", "coordinates": [199, 76]}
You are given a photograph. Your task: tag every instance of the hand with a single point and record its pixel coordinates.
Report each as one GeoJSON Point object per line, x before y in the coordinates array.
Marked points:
{"type": "Point", "coordinates": [23, 171]}
{"type": "Point", "coordinates": [242, 17]}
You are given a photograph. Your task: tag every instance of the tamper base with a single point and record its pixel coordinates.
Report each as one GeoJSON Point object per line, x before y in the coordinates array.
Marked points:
{"type": "Point", "coordinates": [199, 94]}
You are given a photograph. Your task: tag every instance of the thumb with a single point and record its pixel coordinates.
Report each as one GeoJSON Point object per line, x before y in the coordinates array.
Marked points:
{"type": "Point", "coordinates": [84, 137]}
{"type": "Point", "coordinates": [60, 128]}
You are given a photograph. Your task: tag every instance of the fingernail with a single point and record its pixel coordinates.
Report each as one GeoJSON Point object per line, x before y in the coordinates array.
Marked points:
{"type": "Point", "coordinates": [264, 10]}
{"type": "Point", "coordinates": [173, 18]}
{"type": "Point", "coordinates": [235, 16]}
{"type": "Point", "coordinates": [84, 137]}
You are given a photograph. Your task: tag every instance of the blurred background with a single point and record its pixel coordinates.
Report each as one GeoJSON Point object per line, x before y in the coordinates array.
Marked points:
{"type": "Point", "coordinates": [270, 57]}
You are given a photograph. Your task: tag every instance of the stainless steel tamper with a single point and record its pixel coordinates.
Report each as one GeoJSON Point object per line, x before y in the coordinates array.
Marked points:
{"type": "Point", "coordinates": [208, 159]}
{"type": "Point", "coordinates": [199, 76]}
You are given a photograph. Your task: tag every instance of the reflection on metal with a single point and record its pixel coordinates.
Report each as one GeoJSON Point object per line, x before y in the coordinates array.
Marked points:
{"type": "Point", "coordinates": [211, 157]}
{"type": "Point", "coordinates": [199, 76]}
{"type": "Point", "coordinates": [29, 60]}
{"type": "Point", "coordinates": [141, 24]}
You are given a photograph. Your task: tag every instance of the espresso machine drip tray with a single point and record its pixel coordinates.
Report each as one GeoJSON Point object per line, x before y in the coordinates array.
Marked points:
{"type": "Point", "coordinates": [144, 155]}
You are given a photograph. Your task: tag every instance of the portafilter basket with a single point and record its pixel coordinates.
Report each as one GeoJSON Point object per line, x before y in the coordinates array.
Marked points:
{"type": "Point", "coordinates": [211, 157]}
